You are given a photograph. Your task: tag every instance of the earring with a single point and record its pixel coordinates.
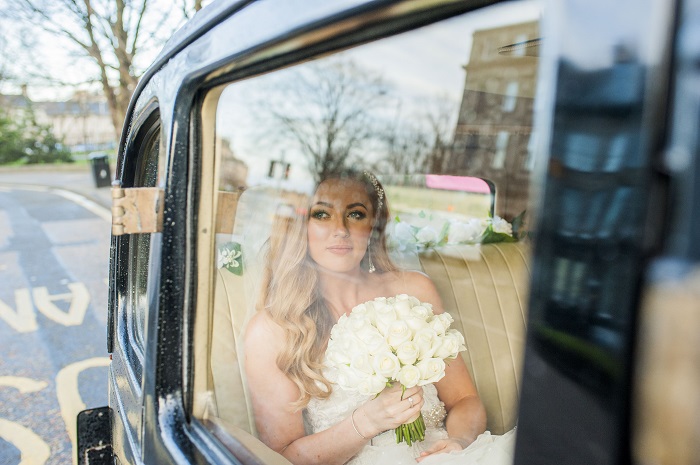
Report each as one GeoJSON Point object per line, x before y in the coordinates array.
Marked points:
{"type": "Point", "coordinates": [371, 267]}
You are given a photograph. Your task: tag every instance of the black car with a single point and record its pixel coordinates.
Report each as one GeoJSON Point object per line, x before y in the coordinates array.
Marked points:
{"type": "Point", "coordinates": [565, 132]}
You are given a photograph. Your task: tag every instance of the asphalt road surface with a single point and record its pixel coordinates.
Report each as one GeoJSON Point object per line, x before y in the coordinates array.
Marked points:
{"type": "Point", "coordinates": [54, 254]}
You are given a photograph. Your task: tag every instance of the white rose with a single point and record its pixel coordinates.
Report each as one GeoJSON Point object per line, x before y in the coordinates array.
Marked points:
{"type": "Point", "coordinates": [384, 318]}
{"type": "Point", "coordinates": [500, 225]}
{"type": "Point", "coordinates": [372, 340]}
{"type": "Point", "coordinates": [358, 321]}
{"type": "Point", "coordinates": [470, 231]}
{"type": "Point", "coordinates": [338, 350]}
{"type": "Point", "coordinates": [402, 308]}
{"type": "Point", "coordinates": [424, 339]}
{"type": "Point", "coordinates": [362, 362]}
{"type": "Point", "coordinates": [407, 353]}
{"type": "Point", "coordinates": [440, 323]}
{"type": "Point", "coordinates": [416, 324]}
{"type": "Point", "coordinates": [386, 364]}
{"type": "Point", "coordinates": [427, 234]}
{"type": "Point", "coordinates": [403, 232]}
{"type": "Point", "coordinates": [421, 311]}
{"type": "Point", "coordinates": [431, 370]}
{"type": "Point", "coordinates": [451, 344]}
{"type": "Point", "coordinates": [414, 301]}
{"type": "Point", "coordinates": [348, 378]}
{"type": "Point", "coordinates": [371, 385]}
{"type": "Point", "coordinates": [409, 376]}
{"type": "Point", "coordinates": [398, 333]}
{"type": "Point", "coordinates": [359, 310]}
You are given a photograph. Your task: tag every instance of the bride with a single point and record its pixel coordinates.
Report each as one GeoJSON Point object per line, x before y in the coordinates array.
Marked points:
{"type": "Point", "coordinates": [322, 261]}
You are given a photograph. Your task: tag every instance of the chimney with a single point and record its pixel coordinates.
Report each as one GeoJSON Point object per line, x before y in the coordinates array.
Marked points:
{"type": "Point", "coordinates": [24, 91]}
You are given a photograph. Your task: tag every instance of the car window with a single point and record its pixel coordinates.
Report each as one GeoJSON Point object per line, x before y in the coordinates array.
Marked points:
{"type": "Point", "coordinates": [436, 125]}
{"type": "Point", "coordinates": [148, 172]}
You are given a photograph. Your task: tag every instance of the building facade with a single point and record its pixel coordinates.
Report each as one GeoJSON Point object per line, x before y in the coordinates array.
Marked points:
{"type": "Point", "coordinates": [83, 123]}
{"type": "Point", "coordinates": [494, 126]}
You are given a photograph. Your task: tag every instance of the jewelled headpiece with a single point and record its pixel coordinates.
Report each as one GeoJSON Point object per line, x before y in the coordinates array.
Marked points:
{"type": "Point", "coordinates": [380, 192]}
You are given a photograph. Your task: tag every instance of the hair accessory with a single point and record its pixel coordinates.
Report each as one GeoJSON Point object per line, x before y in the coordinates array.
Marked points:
{"type": "Point", "coordinates": [380, 192]}
{"type": "Point", "coordinates": [370, 266]}
{"type": "Point", "coordinates": [352, 419]}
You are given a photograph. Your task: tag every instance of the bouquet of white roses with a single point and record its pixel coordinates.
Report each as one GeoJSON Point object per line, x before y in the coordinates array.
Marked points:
{"type": "Point", "coordinates": [394, 339]}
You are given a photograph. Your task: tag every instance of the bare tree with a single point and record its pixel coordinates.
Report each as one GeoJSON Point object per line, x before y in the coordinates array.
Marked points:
{"type": "Point", "coordinates": [328, 111]}
{"type": "Point", "coordinates": [441, 123]}
{"type": "Point", "coordinates": [420, 144]}
{"type": "Point", "coordinates": [110, 33]}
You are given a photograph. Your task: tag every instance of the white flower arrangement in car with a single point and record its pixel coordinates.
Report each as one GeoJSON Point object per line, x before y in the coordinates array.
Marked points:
{"type": "Point", "coordinates": [406, 237]}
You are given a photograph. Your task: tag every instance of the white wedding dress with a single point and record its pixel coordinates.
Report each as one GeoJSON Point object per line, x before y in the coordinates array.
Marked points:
{"type": "Point", "coordinates": [321, 414]}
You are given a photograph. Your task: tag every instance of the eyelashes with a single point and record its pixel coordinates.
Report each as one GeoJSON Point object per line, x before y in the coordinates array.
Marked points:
{"type": "Point", "coordinates": [321, 214]}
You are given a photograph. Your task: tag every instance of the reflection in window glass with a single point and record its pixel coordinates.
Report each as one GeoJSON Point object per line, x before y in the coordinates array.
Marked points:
{"type": "Point", "coordinates": [297, 216]}
{"type": "Point", "coordinates": [147, 175]}
{"type": "Point", "coordinates": [499, 158]}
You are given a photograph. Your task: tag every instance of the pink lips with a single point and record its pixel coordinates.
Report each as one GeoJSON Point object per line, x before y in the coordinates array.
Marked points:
{"type": "Point", "coordinates": [340, 249]}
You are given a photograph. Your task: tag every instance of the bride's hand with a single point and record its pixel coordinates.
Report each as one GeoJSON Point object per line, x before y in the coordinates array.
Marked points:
{"type": "Point", "coordinates": [390, 409]}
{"type": "Point", "coordinates": [443, 446]}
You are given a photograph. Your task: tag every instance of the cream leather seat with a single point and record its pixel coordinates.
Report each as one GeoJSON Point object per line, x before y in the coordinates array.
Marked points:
{"type": "Point", "coordinates": [488, 300]}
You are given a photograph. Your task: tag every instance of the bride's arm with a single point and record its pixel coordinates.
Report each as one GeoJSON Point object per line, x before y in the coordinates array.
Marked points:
{"type": "Point", "coordinates": [282, 428]}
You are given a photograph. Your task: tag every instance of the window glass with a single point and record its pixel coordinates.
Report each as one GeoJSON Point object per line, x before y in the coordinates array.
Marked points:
{"type": "Point", "coordinates": [337, 181]}
{"type": "Point", "coordinates": [147, 174]}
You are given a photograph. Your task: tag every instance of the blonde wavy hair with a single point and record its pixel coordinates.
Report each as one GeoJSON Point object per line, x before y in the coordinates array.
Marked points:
{"type": "Point", "coordinates": [290, 290]}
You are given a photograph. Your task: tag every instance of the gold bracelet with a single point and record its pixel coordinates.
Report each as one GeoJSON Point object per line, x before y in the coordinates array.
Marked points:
{"type": "Point", "coordinates": [352, 419]}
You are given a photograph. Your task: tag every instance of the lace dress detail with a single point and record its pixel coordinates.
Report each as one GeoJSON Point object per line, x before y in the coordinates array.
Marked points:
{"type": "Point", "coordinates": [321, 414]}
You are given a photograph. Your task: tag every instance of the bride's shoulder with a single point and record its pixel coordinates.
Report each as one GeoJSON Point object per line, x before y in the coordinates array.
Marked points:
{"type": "Point", "coordinates": [261, 329]}
{"type": "Point", "coordinates": [415, 283]}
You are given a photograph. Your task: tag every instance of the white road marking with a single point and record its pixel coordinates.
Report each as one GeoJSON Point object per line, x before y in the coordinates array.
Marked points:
{"type": "Point", "coordinates": [97, 209]}
{"type": "Point", "coordinates": [86, 203]}
{"type": "Point", "coordinates": [23, 320]}
{"type": "Point", "coordinates": [79, 300]}
{"type": "Point", "coordinates": [22, 384]}
{"type": "Point", "coordinates": [69, 399]}
{"type": "Point", "coordinates": [33, 450]}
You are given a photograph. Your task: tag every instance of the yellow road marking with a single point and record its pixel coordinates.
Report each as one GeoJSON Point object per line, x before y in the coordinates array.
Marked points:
{"type": "Point", "coordinates": [69, 400]}
{"type": "Point", "coordinates": [33, 449]}
{"type": "Point", "coordinates": [22, 384]}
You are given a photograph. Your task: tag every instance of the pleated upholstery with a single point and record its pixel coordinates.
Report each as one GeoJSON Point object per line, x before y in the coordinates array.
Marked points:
{"type": "Point", "coordinates": [231, 402]}
{"type": "Point", "coordinates": [487, 298]}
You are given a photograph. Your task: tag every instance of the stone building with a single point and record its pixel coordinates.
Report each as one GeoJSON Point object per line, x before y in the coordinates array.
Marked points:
{"type": "Point", "coordinates": [83, 123]}
{"type": "Point", "coordinates": [492, 137]}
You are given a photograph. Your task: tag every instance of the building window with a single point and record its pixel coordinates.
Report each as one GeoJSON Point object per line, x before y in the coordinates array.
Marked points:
{"type": "Point", "coordinates": [529, 164]}
{"type": "Point", "coordinates": [520, 51]}
{"type": "Point", "coordinates": [499, 157]}
{"type": "Point", "coordinates": [511, 97]}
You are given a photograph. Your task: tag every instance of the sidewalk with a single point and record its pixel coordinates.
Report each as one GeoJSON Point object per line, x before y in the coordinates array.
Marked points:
{"type": "Point", "coordinates": [74, 178]}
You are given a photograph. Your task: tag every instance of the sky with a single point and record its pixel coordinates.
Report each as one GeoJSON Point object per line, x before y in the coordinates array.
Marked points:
{"type": "Point", "coordinates": [57, 56]}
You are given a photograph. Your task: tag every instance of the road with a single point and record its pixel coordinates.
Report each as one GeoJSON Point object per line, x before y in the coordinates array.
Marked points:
{"type": "Point", "coordinates": [54, 254]}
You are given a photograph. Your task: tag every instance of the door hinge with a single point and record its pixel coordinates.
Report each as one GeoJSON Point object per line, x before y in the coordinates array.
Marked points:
{"type": "Point", "coordinates": [136, 209]}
